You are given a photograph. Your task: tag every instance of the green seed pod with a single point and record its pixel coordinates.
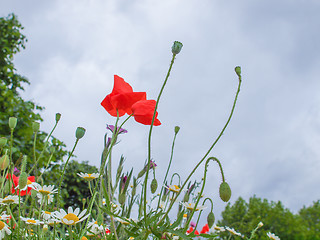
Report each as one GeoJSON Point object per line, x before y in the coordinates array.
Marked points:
{"type": "Point", "coordinates": [176, 129]}
{"type": "Point", "coordinates": [3, 142]}
{"type": "Point", "coordinates": [210, 219]}
{"type": "Point", "coordinates": [80, 132]}
{"type": "Point", "coordinates": [225, 191]}
{"type": "Point", "coordinates": [12, 122]}
{"type": "Point", "coordinates": [122, 198]}
{"type": "Point", "coordinates": [154, 185]}
{"type": "Point", "coordinates": [58, 116]}
{"type": "Point", "coordinates": [238, 71]}
{"type": "Point", "coordinates": [23, 180]}
{"type": "Point", "coordinates": [176, 48]}
{"type": "Point", "coordinates": [141, 173]}
{"type": "Point", "coordinates": [35, 126]}
{"type": "Point", "coordinates": [4, 162]}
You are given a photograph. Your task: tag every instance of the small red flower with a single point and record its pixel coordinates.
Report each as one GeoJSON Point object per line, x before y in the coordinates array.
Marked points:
{"type": "Point", "coordinates": [205, 229]}
{"type": "Point", "coordinates": [143, 112]}
{"type": "Point", "coordinates": [121, 98]}
{"type": "Point", "coordinates": [190, 230]}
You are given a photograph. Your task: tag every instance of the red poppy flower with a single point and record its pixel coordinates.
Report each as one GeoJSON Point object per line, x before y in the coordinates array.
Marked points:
{"type": "Point", "coordinates": [205, 229]}
{"type": "Point", "coordinates": [143, 112]}
{"type": "Point", "coordinates": [16, 183]}
{"type": "Point", "coordinates": [190, 230]}
{"type": "Point", "coordinates": [121, 98]}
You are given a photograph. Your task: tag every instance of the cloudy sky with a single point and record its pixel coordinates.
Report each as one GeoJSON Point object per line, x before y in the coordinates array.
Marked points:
{"type": "Point", "coordinates": [271, 145]}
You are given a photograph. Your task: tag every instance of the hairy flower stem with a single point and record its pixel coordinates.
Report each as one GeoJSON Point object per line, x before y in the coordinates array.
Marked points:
{"type": "Point", "coordinates": [64, 169]}
{"type": "Point", "coordinates": [207, 153]}
{"type": "Point", "coordinates": [149, 139]}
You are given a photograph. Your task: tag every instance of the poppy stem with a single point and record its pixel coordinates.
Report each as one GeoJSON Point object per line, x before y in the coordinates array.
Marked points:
{"type": "Point", "coordinates": [149, 138]}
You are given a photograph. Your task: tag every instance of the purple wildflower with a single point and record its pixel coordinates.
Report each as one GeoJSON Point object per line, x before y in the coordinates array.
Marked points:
{"type": "Point", "coordinates": [192, 224]}
{"type": "Point", "coordinates": [121, 130]}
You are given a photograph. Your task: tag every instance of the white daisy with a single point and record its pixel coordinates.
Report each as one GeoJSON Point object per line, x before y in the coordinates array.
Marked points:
{"type": "Point", "coordinates": [48, 198]}
{"type": "Point", "coordinates": [4, 216]}
{"type": "Point", "coordinates": [88, 176]}
{"type": "Point", "coordinates": [234, 232]}
{"type": "Point", "coordinates": [4, 229]}
{"type": "Point", "coordinates": [72, 217]}
{"type": "Point", "coordinates": [31, 221]}
{"type": "Point", "coordinates": [173, 188]}
{"type": "Point", "coordinates": [30, 184]}
{"type": "Point", "coordinates": [218, 229]}
{"type": "Point", "coordinates": [191, 206]}
{"type": "Point", "coordinates": [45, 190]}
{"type": "Point", "coordinates": [46, 215]}
{"type": "Point", "coordinates": [94, 229]}
{"type": "Point", "coordinates": [9, 200]}
{"type": "Point", "coordinates": [52, 221]}
{"type": "Point", "coordinates": [272, 236]}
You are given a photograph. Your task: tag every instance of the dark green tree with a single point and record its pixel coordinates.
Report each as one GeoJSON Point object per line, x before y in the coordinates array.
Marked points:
{"type": "Point", "coordinates": [244, 217]}
{"type": "Point", "coordinates": [311, 218]}
{"type": "Point", "coordinates": [12, 104]}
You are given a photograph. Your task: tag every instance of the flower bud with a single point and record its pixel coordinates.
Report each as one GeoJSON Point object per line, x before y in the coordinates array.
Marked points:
{"type": "Point", "coordinates": [58, 116]}
{"type": "Point", "coordinates": [176, 129]}
{"type": "Point", "coordinates": [35, 126]}
{"type": "Point", "coordinates": [260, 224]}
{"type": "Point", "coordinates": [122, 198]}
{"type": "Point", "coordinates": [4, 162]}
{"type": "Point", "coordinates": [23, 180]}
{"type": "Point", "coordinates": [186, 197]}
{"type": "Point", "coordinates": [12, 122]}
{"type": "Point", "coordinates": [80, 132]}
{"type": "Point", "coordinates": [225, 191]}
{"type": "Point", "coordinates": [176, 48]}
{"type": "Point", "coordinates": [210, 219]}
{"type": "Point", "coordinates": [154, 185]}
{"type": "Point", "coordinates": [141, 173]}
{"type": "Point", "coordinates": [45, 228]}
{"type": "Point", "coordinates": [238, 71]}
{"type": "Point", "coordinates": [3, 142]}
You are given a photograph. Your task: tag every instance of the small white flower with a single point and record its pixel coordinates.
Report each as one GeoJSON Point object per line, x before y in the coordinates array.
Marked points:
{"type": "Point", "coordinates": [45, 190]}
{"type": "Point", "coordinates": [9, 200]}
{"type": "Point", "coordinates": [272, 236]}
{"type": "Point", "coordinates": [47, 198]}
{"type": "Point", "coordinates": [30, 184]}
{"type": "Point", "coordinates": [234, 232]}
{"type": "Point", "coordinates": [173, 188]}
{"type": "Point", "coordinates": [4, 216]}
{"type": "Point", "coordinates": [191, 206]}
{"type": "Point", "coordinates": [31, 221]}
{"type": "Point", "coordinates": [72, 217]}
{"type": "Point", "coordinates": [94, 229]}
{"type": "Point", "coordinates": [88, 176]}
{"type": "Point", "coordinates": [4, 229]}
{"type": "Point", "coordinates": [46, 215]}
{"type": "Point", "coordinates": [218, 229]}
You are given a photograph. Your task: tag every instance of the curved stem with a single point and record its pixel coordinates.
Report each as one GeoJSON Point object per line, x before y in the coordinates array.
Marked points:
{"type": "Point", "coordinates": [207, 153]}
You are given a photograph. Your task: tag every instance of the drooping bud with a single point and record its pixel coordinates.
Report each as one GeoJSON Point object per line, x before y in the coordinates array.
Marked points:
{"type": "Point", "coordinates": [154, 185]}
{"type": "Point", "coordinates": [58, 116]}
{"type": "Point", "coordinates": [210, 219]}
{"type": "Point", "coordinates": [176, 129]}
{"type": "Point", "coordinates": [122, 198]}
{"type": "Point", "coordinates": [238, 71]}
{"type": "Point", "coordinates": [23, 180]}
{"type": "Point", "coordinates": [12, 122]}
{"type": "Point", "coordinates": [4, 162]}
{"type": "Point", "coordinates": [80, 132]}
{"type": "Point", "coordinates": [176, 48]}
{"type": "Point", "coordinates": [225, 191]}
{"type": "Point", "coordinates": [3, 142]}
{"type": "Point", "coordinates": [35, 126]}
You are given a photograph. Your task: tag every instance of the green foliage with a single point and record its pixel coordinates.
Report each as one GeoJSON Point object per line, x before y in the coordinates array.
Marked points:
{"type": "Point", "coordinates": [74, 188]}
{"type": "Point", "coordinates": [11, 103]}
{"type": "Point", "coordinates": [243, 217]}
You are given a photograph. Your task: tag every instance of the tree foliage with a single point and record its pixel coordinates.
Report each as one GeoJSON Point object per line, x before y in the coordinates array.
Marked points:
{"type": "Point", "coordinates": [244, 217]}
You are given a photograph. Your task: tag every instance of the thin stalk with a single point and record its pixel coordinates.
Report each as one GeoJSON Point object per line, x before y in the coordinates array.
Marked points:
{"type": "Point", "coordinates": [207, 153]}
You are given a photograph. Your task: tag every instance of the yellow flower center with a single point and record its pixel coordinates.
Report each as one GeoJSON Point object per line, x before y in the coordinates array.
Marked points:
{"type": "Point", "coordinates": [31, 221]}
{"type": "Point", "coordinates": [29, 182]}
{"type": "Point", "coordinates": [44, 192]}
{"type": "Point", "coordinates": [7, 200]}
{"type": "Point", "coordinates": [46, 212]}
{"type": "Point", "coordinates": [73, 217]}
{"type": "Point", "coordinates": [1, 225]}
{"type": "Point", "coordinates": [84, 238]}
{"type": "Point", "coordinates": [89, 177]}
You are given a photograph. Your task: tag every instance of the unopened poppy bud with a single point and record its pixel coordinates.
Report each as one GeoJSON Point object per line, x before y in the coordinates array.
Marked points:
{"type": "Point", "coordinates": [4, 162]}
{"type": "Point", "coordinates": [210, 219]}
{"type": "Point", "coordinates": [58, 116]}
{"type": "Point", "coordinates": [35, 126]}
{"type": "Point", "coordinates": [23, 180]}
{"type": "Point", "coordinates": [80, 132]}
{"type": "Point", "coordinates": [12, 122]}
{"type": "Point", "coordinates": [122, 198]}
{"type": "Point", "coordinates": [24, 163]}
{"type": "Point", "coordinates": [238, 71]}
{"type": "Point", "coordinates": [176, 48]}
{"type": "Point", "coordinates": [141, 173]}
{"type": "Point", "coordinates": [176, 129]}
{"type": "Point", "coordinates": [225, 191]}
{"type": "Point", "coordinates": [154, 185]}
{"type": "Point", "coordinates": [3, 142]}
